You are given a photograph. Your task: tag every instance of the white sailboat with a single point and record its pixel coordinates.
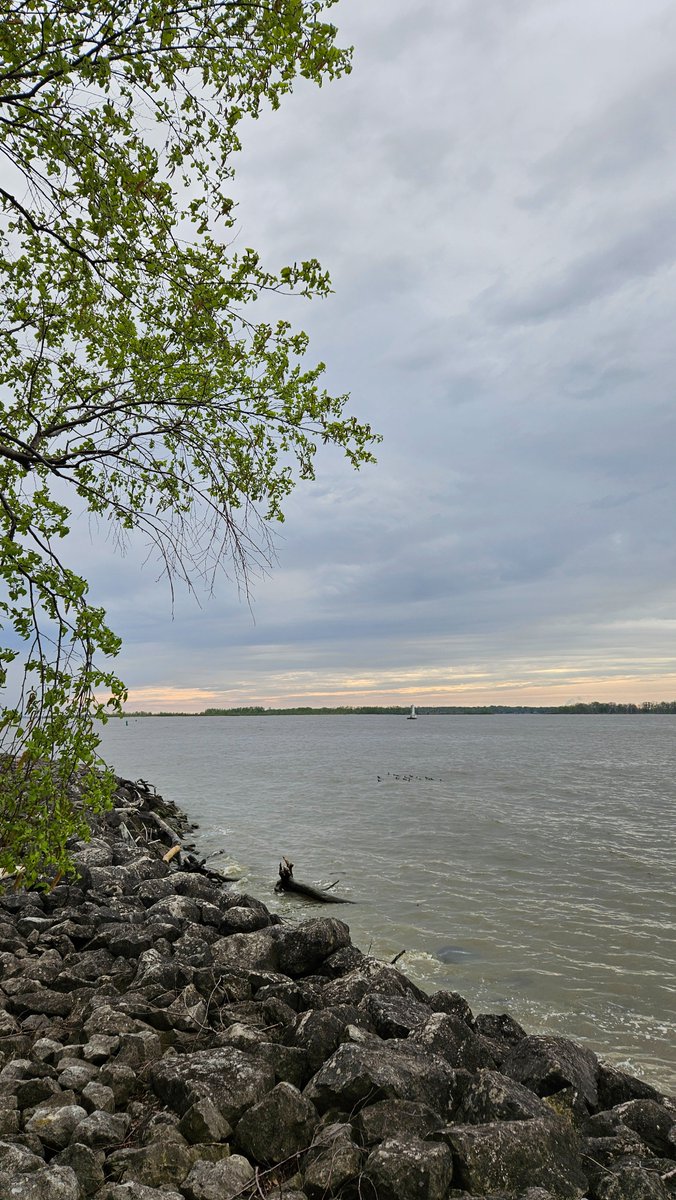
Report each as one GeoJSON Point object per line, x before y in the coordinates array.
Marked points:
{"type": "Point", "coordinates": [412, 716]}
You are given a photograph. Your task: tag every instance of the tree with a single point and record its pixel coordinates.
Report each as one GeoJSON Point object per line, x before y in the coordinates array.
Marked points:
{"type": "Point", "coordinates": [136, 380]}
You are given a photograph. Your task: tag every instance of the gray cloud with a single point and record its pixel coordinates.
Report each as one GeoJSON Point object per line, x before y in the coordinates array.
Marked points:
{"type": "Point", "coordinates": [629, 259]}
{"type": "Point", "coordinates": [492, 191]}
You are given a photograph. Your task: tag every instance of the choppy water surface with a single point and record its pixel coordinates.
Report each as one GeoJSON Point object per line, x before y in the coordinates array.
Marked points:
{"type": "Point", "coordinates": [527, 862]}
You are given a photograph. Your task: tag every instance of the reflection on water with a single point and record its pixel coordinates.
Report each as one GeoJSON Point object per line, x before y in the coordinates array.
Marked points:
{"type": "Point", "coordinates": [527, 862]}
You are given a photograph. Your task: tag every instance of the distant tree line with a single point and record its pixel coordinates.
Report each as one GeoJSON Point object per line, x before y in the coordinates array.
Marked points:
{"type": "Point", "coordinates": [594, 707]}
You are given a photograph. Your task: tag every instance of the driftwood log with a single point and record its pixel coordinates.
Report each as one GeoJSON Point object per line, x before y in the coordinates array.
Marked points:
{"type": "Point", "coordinates": [166, 833]}
{"type": "Point", "coordinates": [190, 863]}
{"type": "Point", "coordinates": [287, 883]}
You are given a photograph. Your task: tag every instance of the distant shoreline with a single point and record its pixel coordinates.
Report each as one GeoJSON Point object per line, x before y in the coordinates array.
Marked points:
{"type": "Point", "coordinates": [594, 708]}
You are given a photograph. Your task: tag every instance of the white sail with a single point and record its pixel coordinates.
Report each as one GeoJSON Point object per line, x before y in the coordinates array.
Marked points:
{"type": "Point", "coordinates": [413, 714]}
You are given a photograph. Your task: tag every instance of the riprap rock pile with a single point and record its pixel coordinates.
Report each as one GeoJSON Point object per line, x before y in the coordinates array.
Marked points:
{"type": "Point", "coordinates": [164, 1037]}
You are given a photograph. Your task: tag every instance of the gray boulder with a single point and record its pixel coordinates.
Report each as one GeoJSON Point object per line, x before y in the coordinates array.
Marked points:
{"type": "Point", "coordinates": [654, 1123]}
{"type": "Point", "coordinates": [242, 920]}
{"type": "Point", "coordinates": [631, 1183]}
{"type": "Point", "coordinates": [304, 947]}
{"type": "Point", "coordinates": [96, 853]}
{"type": "Point", "coordinates": [120, 1079]}
{"type": "Point", "coordinates": [290, 1063]}
{"type": "Point", "coordinates": [177, 908]}
{"type": "Point", "coordinates": [616, 1087]}
{"type": "Point", "coordinates": [395, 1119]}
{"type": "Point", "coordinates": [138, 1048]}
{"type": "Point", "coordinates": [453, 1040]}
{"type": "Point", "coordinates": [407, 1169]}
{"type": "Point", "coordinates": [218, 1181]}
{"type": "Point", "coordinates": [605, 1155]}
{"type": "Point", "coordinates": [332, 1161]}
{"type": "Point", "coordinates": [247, 951]}
{"type": "Point", "coordinates": [97, 1096]}
{"type": "Point", "coordinates": [280, 1125]}
{"type": "Point", "coordinates": [393, 1070]}
{"type": "Point", "coordinates": [136, 1191]}
{"type": "Point", "coordinates": [31, 1092]}
{"type": "Point", "coordinates": [393, 1016]}
{"type": "Point", "coordinates": [49, 1183]}
{"type": "Point", "coordinates": [549, 1064]}
{"type": "Point", "coordinates": [45, 1049]}
{"type": "Point", "coordinates": [204, 1123]}
{"type": "Point", "coordinates": [54, 1126]}
{"type": "Point", "coordinates": [86, 1163]}
{"type": "Point", "coordinates": [102, 1130]}
{"type": "Point", "coordinates": [319, 1032]}
{"type": "Point", "coordinates": [369, 977]}
{"type": "Point", "coordinates": [490, 1096]}
{"type": "Point", "coordinates": [16, 1160]}
{"type": "Point", "coordinates": [100, 1047]}
{"type": "Point", "coordinates": [453, 1004]}
{"type": "Point", "coordinates": [277, 948]}
{"type": "Point", "coordinates": [512, 1156]}
{"type": "Point", "coordinates": [231, 1079]}
{"type": "Point", "coordinates": [75, 1075]}
{"type": "Point", "coordinates": [9, 1116]}
{"type": "Point", "coordinates": [166, 1161]}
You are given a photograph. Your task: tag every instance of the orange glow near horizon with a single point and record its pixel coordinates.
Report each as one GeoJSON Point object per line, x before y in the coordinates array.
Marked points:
{"type": "Point", "coordinates": [538, 686]}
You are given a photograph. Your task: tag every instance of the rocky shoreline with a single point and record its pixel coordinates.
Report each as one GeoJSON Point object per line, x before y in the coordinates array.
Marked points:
{"type": "Point", "coordinates": [164, 1037]}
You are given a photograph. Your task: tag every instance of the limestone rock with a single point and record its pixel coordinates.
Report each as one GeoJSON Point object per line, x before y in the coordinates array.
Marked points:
{"type": "Point", "coordinates": [49, 1183]}
{"type": "Point", "coordinates": [615, 1087]}
{"type": "Point", "coordinates": [120, 1079]}
{"type": "Point", "coordinates": [54, 1126]}
{"type": "Point", "coordinates": [102, 1130]}
{"type": "Point", "coordinates": [394, 1016]}
{"type": "Point", "coordinates": [45, 1001]}
{"type": "Point", "coordinates": [453, 1040]}
{"type": "Point", "coordinates": [395, 1070]}
{"type": "Point", "coordinates": [513, 1156]}
{"type": "Point", "coordinates": [164, 1162]}
{"type": "Point", "coordinates": [394, 1119]}
{"type": "Point", "coordinates": [87, 1165]}
{"type": "Point", "coordinates": [75, 1074]}
{"type": "Point", "coordinates": [280, 1125]}
{"type": "Point", "coordinates": [96, 853]}
{"type": "Point", "coordinates": [408, 1169]}
{"type": "Point", "coordinates": [303, 947]}
{"type": "Point", "coordinates": [232, 1080]}
{"type": "Point", "coordinates": [30, 1092]}
{"type": "Point", "coordinates": [333, 1160]}
{"type": "Point", "coordinates": [100, 1048]}
{"type": "Point", "coordinates": [490, 1096]}
{"type": "Point", "coordinates": [45, 1049]}
{"type": "Point", "coordinates": [135, 1191]}
{"type": "Point", "coordinates": [97, 1096]}
{"type": "Point", "coordinates": [654, 1123]}
{"type": "Point", "coordinates": [319, 1033]}
{"type": "Point", "coordinates": [247, 951]}
{"type": "Point", "coordinates": [548, 1064]}
{"type": "Point", "coordinates": [204, 1123]}
{"type": "Point", "coordinates": [632, 1183]}
{"type": "Point", "coordinates": [370, 977]}
{"type": "Point", "coordinates": [17, 1160]}
{"type": "Point", "coordinates": [138, 1048]}
{"type": "Point", "coordinates": [242, 920]}
{"type": "Point", "coordinates": [218, 1181]}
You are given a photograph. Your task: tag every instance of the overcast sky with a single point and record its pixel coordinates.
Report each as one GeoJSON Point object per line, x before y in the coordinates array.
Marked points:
{"type": "Point", "coordinates": [494, 192]}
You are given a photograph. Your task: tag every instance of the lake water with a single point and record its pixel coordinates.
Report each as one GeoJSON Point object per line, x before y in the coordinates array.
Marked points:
{"type": "Point", "coordinates": [528, 862]}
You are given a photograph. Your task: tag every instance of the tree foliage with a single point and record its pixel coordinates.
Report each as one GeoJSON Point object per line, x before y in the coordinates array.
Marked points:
{"type": "Point", "coordinates": [136, 380]}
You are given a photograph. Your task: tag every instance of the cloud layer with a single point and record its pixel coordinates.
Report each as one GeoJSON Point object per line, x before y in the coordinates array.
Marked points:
{"type": "Point", "coordinates": [493, 192]}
